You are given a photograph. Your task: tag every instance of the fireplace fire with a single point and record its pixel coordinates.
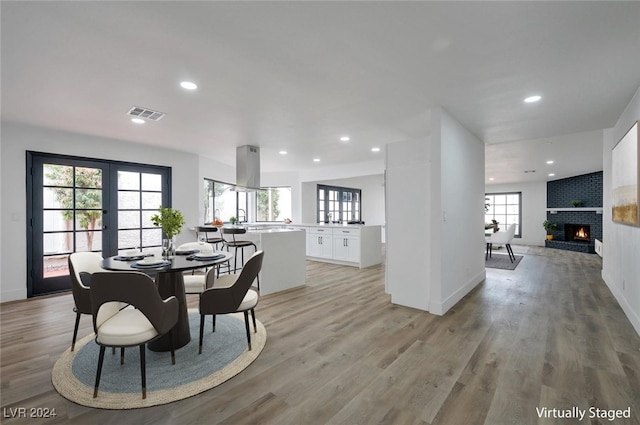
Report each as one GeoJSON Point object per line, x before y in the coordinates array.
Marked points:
{"type": "Point", "coordinates": [577, 232]}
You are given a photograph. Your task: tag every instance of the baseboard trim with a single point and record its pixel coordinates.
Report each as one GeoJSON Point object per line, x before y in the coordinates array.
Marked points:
{"type": "Point", "coordinates": [440, 308]}
{"type": "Point", "coordinates": [622, 300]}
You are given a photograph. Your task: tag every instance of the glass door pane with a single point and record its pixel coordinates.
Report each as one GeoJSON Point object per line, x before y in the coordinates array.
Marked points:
{"type": "Point", "coordinates": [139, 197]}
{"type": "Point", "coordinates": [66, 207]}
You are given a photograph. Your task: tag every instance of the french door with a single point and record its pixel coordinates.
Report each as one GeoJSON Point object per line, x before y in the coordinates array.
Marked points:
{"type": "Point", "coordinates": [79, 204]}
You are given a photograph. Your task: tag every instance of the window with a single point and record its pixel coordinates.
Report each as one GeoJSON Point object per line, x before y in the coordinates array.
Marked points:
{"type": "Point", "coordinates": [273, 204]}
{"type": "Point", "coordinates": [84, 204]}
{"type": "Point", "coordinates": [221, 201]}
{"type": "Point", "coordinates": [338, 204]}
{"type": "Point", "coordinates": [506, 209]}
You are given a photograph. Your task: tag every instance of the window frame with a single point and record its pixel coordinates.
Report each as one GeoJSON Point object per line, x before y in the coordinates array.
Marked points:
{"type": "Point", "coordinates": [502, 224]}
{"type": "Point", "coordinates": [256, 215]}
{"type": "Point", "coordinates": [356, 212]}
{"type": "Point", "coordinates": [237, 209]}
{"type": "Point", "coordinates": [37, 282]}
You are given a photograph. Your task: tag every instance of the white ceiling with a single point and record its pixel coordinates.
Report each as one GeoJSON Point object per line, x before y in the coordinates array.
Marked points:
{"type": "Point", "coordinates": [298, 75]}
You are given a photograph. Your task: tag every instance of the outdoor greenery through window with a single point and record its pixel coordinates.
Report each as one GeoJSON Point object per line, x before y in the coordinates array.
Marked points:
{"type": "Point", "coordinates": [273, 204]}
{"type": "Point", "coordinates": [505, 208]}
{"type": "Point", "coordinates": [222, 202]}
{"type": "Point", "coordinates": [338, 204]}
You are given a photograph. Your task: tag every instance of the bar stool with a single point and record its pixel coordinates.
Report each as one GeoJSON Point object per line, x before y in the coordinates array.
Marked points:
{"type": "Point", "coordinates": [212, 240]}
{"type": "Point", "coordinates": [242, 244]}
{"type": "Point", "coordinates": [205, 230]}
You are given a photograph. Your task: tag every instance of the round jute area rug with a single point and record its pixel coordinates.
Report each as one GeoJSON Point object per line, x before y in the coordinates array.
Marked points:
{"type": "Point", "coordinates": [224, 355]}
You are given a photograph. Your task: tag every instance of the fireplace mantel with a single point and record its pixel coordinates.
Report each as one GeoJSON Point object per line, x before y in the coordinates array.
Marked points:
{"type": "Point", "coordinates": [597, 210]}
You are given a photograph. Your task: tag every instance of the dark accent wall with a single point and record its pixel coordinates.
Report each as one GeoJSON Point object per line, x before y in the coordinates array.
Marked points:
{"type": "Point", "coordinates": [586, 188]}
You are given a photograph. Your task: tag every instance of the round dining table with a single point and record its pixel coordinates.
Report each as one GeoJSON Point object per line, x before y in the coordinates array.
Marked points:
{"type": "Point", "coordinates": [170, 281]}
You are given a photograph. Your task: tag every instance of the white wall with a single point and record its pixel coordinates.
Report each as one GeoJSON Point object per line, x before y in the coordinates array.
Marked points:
{"type": "Point", "coordinates": [435, 238]}
{"type": "Point", "coordinates": [621, 243]}
{"type": "Point", "coordinates": [408, 215]}
{"type": "Point", "coordinates": [462, 192]}
{"type": "Point", "coordinates": [534, 209]}
{"type": "Point", "coordinates": [17, 139]}
{"type": "Point", "coordinates": [1, 215]}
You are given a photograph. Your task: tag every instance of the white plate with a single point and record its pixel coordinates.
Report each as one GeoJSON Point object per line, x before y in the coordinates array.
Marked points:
{"type": "Point", "coordinates": [208, 256]}
{"type": "Point", "coordinates": [150, 261]}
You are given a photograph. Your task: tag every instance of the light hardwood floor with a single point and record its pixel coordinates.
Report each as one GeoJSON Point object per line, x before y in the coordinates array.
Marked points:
{"type": "Point", "coordinates": [548, 334]}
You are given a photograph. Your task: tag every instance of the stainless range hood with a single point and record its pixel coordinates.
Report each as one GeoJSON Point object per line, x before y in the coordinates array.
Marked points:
{"type": "Point", "coordinates": [247, 168]}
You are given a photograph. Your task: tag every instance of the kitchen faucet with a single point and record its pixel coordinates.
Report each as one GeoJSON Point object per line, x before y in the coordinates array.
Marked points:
{"type": "Point", "coordinates": [244, 215]}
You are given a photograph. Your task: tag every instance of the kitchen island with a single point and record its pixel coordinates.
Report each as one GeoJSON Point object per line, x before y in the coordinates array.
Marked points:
{"type": "Point", "coordinates": [283, 266]}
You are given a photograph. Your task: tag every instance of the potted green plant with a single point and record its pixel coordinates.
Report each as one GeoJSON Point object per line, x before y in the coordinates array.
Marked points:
{"type": "Point", "coordinates": [171, 222]}
{"type": "Point", "coordinates": [576, 203]}
{"type": "Point", "coordinates": [549, 226]}
{"type": "Point", "coordinates": [233, 220]}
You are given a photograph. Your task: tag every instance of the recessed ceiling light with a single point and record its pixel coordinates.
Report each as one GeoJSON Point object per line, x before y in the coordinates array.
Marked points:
{"type": "Point", "coordinates": [491, 178]}
{"type": "Point", "coordinates": [532, 99]}
{"type": "Point", "coordinates": [283, 152]}
{"type": "Point", "coordinates": [551, 174]}
{"type": "Point", "coordinates": [549, 162]}
{"type": "Point", "coordinates": [375, 149]}
{"type": "Point", "coordinates": [345, 138]}
{"type": "Point", "coordinates": [137, 120]}
{"type": "Point", "coordinates": [316, 159]}
{"type": "Point", "coordinates": [188, 85]}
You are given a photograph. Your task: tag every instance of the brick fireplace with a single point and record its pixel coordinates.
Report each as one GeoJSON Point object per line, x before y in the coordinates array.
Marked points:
{"type": "Point", "coordinates": [578, 227]}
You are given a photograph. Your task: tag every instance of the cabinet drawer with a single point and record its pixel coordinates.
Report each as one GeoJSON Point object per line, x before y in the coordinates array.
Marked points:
{"type": "Point", "coordinates": [297, 228]}
{"type": "Point", "coordinates": [320, 230]}
{"type": "Point", "coordinates": [346, 232]}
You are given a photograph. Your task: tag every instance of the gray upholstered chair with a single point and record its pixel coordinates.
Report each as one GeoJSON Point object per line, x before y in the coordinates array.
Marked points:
{"type": "Point", "coordinates": [193, 283]}
{"type": "Point", "coordinates": [232, 293]}
{"type": "Point", "coordinates": [81, 266]}
{"type": "Point", "coordinates": [147, 317]}
{"type": "Point", "coordinates": [502, 238]}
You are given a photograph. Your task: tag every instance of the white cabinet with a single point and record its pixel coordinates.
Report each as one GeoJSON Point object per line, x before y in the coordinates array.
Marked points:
{"type": "Point", "coordinates": [346, 245]}
{"type": "Point", "coordinates": [349, 245]}
{"type": "Point", "coordinates": [320, 242]}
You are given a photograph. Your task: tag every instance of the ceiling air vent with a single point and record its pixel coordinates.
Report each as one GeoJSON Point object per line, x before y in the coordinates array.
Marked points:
{"type": "Point", "coordinates": [145, 113]}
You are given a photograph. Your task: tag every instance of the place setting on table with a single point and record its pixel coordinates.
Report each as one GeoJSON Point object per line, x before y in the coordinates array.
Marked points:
{"type": "Point", "coordinates": [168, 271]}
{"type": "Point", "coordinates": [146, 260]}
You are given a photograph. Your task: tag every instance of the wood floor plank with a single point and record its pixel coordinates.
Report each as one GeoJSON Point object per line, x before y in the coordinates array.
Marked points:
{"type": "Point", "coordinates": [548, 334]}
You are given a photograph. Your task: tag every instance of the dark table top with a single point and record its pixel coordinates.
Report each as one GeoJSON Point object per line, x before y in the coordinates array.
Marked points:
{"type": "Point", "coordinates": [177, 263]}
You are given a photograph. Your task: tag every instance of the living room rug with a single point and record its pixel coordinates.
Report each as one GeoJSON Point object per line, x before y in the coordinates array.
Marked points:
{"type": "Point", "coordinates": [224, 355]}
{"type": "Point", "coordinates": [502, 261]}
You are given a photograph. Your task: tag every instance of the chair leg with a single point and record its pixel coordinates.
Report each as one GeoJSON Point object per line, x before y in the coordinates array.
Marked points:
{"type": "Point", "coordinates": [213, 323]}
{"type": "Point", "coordinates": [75, 331]}
{"type": "Point", "coordinates": [201, 333]}
{"type": "Point", "coordinates": [121, 355]}
{"type": "Point", "coordinates": [98, 372]}
{"type": "Point", "coordinates": [235, 258]}
{"type": "Point", "coordinates": [143, 370]}
{"type": "Point", "coordinates": [253, 317]}
{"type": "Point", "coordinates": [246, 325]}
{"type": "Point", "coordinates": [173, 351]}
{"type": "Point", "coordinates": [512, 256]}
